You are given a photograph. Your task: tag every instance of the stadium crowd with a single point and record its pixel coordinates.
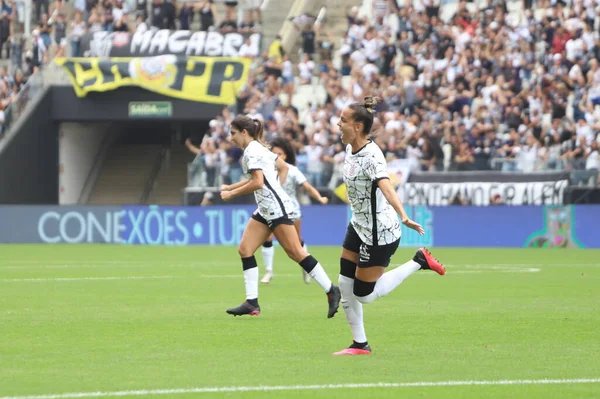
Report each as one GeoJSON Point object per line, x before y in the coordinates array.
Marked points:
{"type": "Point", "coordinates": [59, 28]}
{"type": "Point", "coordinates": [479, 91]}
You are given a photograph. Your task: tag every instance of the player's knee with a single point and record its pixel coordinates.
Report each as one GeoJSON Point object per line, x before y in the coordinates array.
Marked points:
{"type": "Point", "coordinates": [296, 253]}
{"type": "Point", "coordinates": [363, 290]}
{"type": "Point", "coordinates": [244, 251]}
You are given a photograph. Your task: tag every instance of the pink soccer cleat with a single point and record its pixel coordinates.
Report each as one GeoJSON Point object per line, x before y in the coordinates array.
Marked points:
{"type": "Point", "coordinates": [355, 349]}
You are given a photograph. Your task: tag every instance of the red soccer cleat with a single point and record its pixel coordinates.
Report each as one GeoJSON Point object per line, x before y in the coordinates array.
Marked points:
{"type": "Point", "coordinates": [424, 258]}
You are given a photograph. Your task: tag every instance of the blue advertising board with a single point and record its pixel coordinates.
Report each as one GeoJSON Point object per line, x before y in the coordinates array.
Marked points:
{"type": "Point", "coordinates": [448, 226]}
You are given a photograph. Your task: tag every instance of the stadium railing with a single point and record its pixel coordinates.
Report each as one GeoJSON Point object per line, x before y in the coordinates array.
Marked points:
{"type": "Point", "coordinates": [27, 96]}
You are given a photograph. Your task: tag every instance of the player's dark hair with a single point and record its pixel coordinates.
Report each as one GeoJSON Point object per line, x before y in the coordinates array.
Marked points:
{"type": "Point", "coordinates": [254, 127]}
{"type": "Point", "coordinates": [286, 147]}
{"type": "Point", "coordinates": [363, 113]}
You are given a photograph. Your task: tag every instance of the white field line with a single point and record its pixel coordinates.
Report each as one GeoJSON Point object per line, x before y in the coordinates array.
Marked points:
{"type": "Point", "coordinates": [11, 280]}
{"type": "Point", "coordinates": [207, 276]}
{"type": "Point", "coordinates": [120, 265]}
{"type": "Point", "coordinates": [124, 265]}
{"type": "Point", "coordinates": [266, 388]}
{"type": "Point", "coordinates": [42, 264]}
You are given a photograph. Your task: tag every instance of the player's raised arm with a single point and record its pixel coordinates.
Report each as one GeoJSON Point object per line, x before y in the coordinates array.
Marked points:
{"type": "Point", "coordinates": [229, 187]}
{"type": "Point", "coordinates": [390, 195]}
{"type": "Point", "coordinates": [313, 192]}
{"type": "Point", "coordinates": [256, 182]}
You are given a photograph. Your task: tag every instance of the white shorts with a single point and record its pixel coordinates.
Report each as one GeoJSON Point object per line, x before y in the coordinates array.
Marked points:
{"type": "Point", "coordinates": [253, 4]}
{"type": "Point", "coordinates": [295, 215]}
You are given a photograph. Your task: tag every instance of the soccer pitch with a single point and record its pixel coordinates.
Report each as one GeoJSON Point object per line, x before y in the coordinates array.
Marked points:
{"type": "Point", "coordinates": [122, 321]}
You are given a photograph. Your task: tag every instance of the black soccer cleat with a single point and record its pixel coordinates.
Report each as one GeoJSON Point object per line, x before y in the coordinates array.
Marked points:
{"type": "Point", "coordinates": [334, 296]}
{"type": "Point", "coordinates": [424, 258]}
{"type": "Point", "coordinates": [245, 308]}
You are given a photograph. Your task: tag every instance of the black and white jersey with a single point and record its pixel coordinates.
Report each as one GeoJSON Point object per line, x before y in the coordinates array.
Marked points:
{"type": "Point", "coordinates": [373, 218]}
{"type": "Point", "coordinates": [272, 200]}
{"type": "Point", "coordinates": [294, 179]}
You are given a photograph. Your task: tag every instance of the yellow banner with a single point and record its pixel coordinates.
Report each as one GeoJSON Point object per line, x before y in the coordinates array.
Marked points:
{"type": "Point", "coordinates": [215, 80]}
{"type": "Point", "coordinates": [341, 192]}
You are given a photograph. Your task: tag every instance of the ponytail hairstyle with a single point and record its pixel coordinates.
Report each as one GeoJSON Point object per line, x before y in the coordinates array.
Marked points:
{"type": "Point", "coordinates": [290, 154]}
{"type": "Point", "coordinates": [364, 113]}
{"type": "Point", "coordinates": [254, 127]}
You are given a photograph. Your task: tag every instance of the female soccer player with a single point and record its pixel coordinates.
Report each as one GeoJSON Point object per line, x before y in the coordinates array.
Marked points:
{"type": "Point", "coordinates": [374, 232]}
{"type": "Point", "coordinates": [272, 216]}
{"type": "Point", "coordinates": [294, 179]}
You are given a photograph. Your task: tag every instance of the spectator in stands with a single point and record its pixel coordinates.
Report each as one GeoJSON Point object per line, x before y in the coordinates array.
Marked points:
{"type": "Point", "coordinates": [158, 14]}
{"type": "Point", "coordinates": [77, 31]}
{"type": "Point", "coordinates": [248, 50]}
{"type": "Point", "coordinates": [305, 69]}
{"type": "Point", "coordinates": [229, 24]}
{"type": "Point", "coordinates": [5, 33]}
{"type": "Point", "coordinates": [308, 41]}
{"type": "Point", "coordinates": [140, 25]}
{"type": "Point", "coordinates": [109, 18]}
{"type": "Point", "coordinates": [254, 9]}
{"type": "Point", "coordinates": [208, 15]}
{"type": "Point", "coordinates": [60, 35]}
{"type": "Point", "coordinates": [45, 31]}
{"type": "Point", "coordinates": [247, 25]}
{"type": "Point", "coordinates": [231, 9]}
{"type": "Point", "coordinates": [314, 154]}
{"type": "Point", "coordinates": [38, 54]}
{"type": "Point", "coordinates": [39, 5]}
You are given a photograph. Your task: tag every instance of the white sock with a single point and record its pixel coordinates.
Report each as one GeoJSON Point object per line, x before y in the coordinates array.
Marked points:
{"type": "Point", "coordinates": [319, 275]}
{"type": "Point", "coordinates": [390, 280]}
{"type": "Point", "coordinates": [268, 254]}
{"type": "Point", "coordinates": [305, 247]}
{"type": "Point", "coordinates": [353, 309]}
{"type": "Point", "coordinates": [251, 282]}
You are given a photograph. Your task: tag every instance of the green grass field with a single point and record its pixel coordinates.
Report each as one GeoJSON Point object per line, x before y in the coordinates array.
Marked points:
{"type": "Point", "coordinates": [75, 320]}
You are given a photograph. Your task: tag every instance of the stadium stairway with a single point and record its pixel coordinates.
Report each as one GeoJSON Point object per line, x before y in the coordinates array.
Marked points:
{"type": "Point", "coordinates": [125, 174]}
{"type": "Point", "coordinates": [335, 23]}
{"type": "Point", "coordinates": [172, 177]}
{"type": "Point", "coordinates": [274, 13]}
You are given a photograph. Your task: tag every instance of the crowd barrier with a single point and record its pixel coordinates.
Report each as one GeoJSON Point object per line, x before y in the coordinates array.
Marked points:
{"type": "Point", "coordinates": [449, 226]}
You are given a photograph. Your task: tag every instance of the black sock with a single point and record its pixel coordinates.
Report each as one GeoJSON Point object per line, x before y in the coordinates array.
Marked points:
{"type": "Point", "coordinates": [359, 345]}
{"type": "Point", "coordinates": [308, 263]}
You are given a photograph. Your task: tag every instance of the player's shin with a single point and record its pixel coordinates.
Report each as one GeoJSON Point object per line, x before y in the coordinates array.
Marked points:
{"type": "Point", "coordinates": [250, 278]}
{"type": "Point", "coordinates": [316, 271]}
{"type": "Point", "coordinates": [268, 252]}
{"type": "Point", "coordinates": [352, 307]}
{"type": "Point", "coordinates": [367, 292]}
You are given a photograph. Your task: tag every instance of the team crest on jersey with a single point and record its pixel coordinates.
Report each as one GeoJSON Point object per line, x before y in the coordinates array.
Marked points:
{"type": "Point", "coordinates": [352, 170]}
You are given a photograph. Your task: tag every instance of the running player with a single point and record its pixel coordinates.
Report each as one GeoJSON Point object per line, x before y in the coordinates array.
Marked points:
{"type": "Point", "coordinates": [294, 179]}
{"type": "Point", "coordinates": [272, 216]}
{"type": "Point", "coordinates": [374, 232]}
